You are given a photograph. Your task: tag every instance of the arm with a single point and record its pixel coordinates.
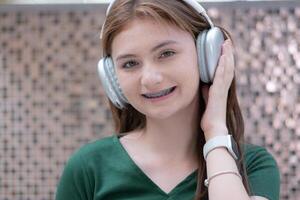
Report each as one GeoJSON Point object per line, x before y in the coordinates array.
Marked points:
{"type": "Point", "coordinates": [262, 171]}
{"type": "Point", "coordinates": [213, 123]}
{"type": "Point", "coordinates": [227, 186]}
{"type": "Point", "coordinates": [74, 183]}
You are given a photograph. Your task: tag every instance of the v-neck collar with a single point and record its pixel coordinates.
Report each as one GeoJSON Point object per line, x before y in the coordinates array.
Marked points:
{"type": "Point", "coordinates": [143, 175]}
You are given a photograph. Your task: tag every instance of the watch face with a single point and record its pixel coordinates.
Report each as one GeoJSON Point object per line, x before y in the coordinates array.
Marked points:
{"type": "Point", "coordinates": [235, 147]}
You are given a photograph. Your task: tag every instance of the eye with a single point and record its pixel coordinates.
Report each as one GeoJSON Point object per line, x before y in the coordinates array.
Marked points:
{"type": "Point", "coordinates": [167, 54]}
{"type": "Point", "coordinates": [129, 64]}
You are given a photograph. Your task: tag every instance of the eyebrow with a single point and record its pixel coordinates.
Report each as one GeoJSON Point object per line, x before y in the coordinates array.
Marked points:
{"type": "Point", "coordinates": [160, 45]}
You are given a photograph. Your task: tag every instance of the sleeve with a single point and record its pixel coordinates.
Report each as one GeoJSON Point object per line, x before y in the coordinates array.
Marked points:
{"type": "Point", "coordinates": [263, 174]}
{"type": "Point", "coordinates": [74, 183]}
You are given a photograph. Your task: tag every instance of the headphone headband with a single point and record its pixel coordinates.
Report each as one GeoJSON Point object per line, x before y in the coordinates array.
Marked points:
{"type": "Point", "coordinates": [196, 5]}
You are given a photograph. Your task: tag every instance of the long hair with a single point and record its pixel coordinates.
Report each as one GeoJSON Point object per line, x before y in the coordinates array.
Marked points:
{"type": "Point", "coordinates": [182, 15]}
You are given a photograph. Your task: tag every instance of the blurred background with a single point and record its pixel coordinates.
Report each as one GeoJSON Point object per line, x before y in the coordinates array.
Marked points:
{"type": "Point", "coordinates": [52, 101]}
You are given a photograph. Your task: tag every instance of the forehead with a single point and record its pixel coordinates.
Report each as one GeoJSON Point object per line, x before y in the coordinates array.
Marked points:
{"type": "Point", "coordinates": [146, 32]}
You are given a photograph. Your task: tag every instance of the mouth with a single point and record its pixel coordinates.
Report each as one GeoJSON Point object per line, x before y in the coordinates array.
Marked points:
{"type": "Point", "coordinates": [160, 94]}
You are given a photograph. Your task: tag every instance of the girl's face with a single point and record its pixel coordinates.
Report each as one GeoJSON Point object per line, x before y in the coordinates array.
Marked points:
{"type": "Point", "coordinates": [150, 57]}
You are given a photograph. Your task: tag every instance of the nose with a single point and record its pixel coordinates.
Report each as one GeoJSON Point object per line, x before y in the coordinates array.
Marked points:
{"type": "Point", "coordinates": [151, 77]}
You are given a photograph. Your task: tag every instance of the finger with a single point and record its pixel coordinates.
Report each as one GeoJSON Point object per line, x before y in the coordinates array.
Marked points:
{"type": "Point", "coordinates": [228, 74]}
{"type": "Point", "coordinates": [227, 47]}
{"type": "Point", "coordinates": [229, 63]}
{"type": "Point", "coordinates": [220, 67]}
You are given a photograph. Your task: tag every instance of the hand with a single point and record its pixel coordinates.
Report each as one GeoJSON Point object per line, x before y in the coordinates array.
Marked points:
{"type": "Point", "coordinates": [213, 121]}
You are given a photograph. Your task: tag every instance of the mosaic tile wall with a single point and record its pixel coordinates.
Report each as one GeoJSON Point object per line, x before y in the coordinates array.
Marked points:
{"type": "Point", "coordinates": [52, 102]}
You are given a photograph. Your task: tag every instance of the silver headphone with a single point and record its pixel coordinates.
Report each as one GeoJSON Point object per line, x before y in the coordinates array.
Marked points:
{"type": "Point", "coordinates": [209, 43]}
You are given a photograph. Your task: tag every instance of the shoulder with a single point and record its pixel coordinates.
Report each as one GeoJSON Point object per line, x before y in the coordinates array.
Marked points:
{"type": "Point", "coordinates": [94, 146]}
{"type": "Point", "coordinates": [83, 168]}
{"type": "Point", "coordinates": [94, 149]}
{"type": "Point", "coordinates": [90, 156]}
{"type": "Point", "coordinates": [256, 156]}
{"type": "Point", "coordinates": [262, 172]}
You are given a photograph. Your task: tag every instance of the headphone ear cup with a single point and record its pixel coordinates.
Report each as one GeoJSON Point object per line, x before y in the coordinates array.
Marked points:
{"type": "Point", "coordinates": [110, 83]}
{"type": "Point", "coordinates": [209, 43]}
{"type": "Point", "coordinates": [200, 43]}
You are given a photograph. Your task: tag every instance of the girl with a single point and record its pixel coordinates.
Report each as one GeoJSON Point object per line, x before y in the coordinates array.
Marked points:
{"type": "Point", "coordinates": [169, 76]}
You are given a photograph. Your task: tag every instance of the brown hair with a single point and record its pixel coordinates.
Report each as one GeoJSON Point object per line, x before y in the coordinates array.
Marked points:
{"type": "Point", "coordinates": [182, 15]}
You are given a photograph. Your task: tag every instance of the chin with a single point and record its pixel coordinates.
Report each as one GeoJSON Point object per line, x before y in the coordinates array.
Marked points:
{"type": "Point", "coordinates": [161, 113]}
{"type": "Point", "coordinates": [156, 113]}
{"type": "Point", "coordinates": [161, 116]}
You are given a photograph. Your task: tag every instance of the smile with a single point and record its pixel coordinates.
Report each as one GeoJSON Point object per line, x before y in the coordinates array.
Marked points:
{"type": "Point", "coordinates": [160, 95]}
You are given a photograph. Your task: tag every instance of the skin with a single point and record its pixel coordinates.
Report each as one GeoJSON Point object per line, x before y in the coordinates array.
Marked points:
{"type": "Point", "coordinates": [171, 124]}
{"type": "Point", "coordinates": [150, 73]}
{"type": "Point", "coordinates": [166, 149]}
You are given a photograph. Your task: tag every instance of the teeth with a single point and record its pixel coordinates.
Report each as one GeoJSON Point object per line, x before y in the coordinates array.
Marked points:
{"type": "Point", "coordinates": [162, 93]}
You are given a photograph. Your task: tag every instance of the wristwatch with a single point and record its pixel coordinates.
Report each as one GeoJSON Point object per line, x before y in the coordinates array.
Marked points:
{"type": "Point", "coordinates": [226, 141]}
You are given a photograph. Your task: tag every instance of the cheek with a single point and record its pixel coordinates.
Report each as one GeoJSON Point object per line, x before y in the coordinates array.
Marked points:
{"type": "Point", "coordinates": [190, 76]}
{"type": "Point", "coordinates": [188, 71]}
{"type": "Point", "coordinates": [121, 77]}
{"type": "Point", "coordinates": [188, 63]}
{"type": "Point", "coordinates": [128, 85]}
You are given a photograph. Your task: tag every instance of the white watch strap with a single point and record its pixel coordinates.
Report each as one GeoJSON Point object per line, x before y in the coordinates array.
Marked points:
{"type": "Point", "coordinates": [218, 141]}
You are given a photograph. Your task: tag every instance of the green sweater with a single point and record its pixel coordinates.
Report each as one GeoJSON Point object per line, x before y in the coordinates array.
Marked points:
{"type": "Point", "coordinates": [103, 170]}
